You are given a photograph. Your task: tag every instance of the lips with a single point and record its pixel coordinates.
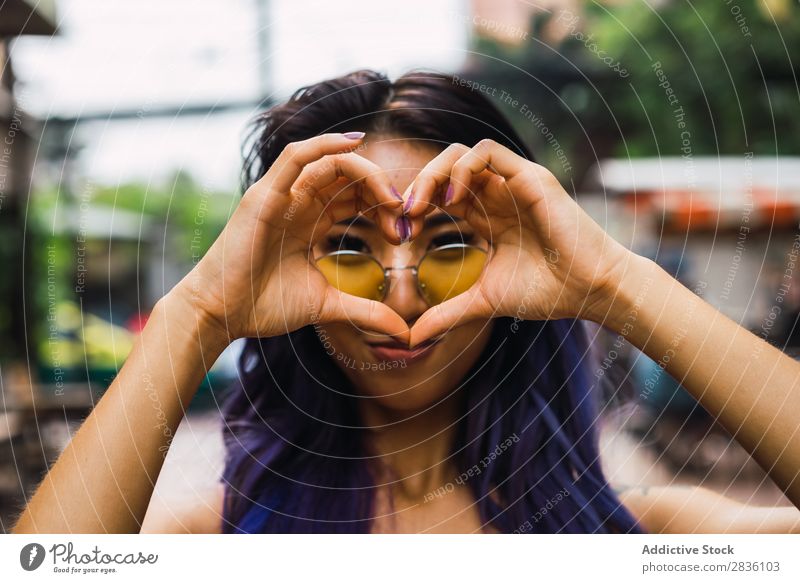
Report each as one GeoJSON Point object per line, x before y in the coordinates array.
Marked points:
{"type": "Point", "coordinates": [397, 351]}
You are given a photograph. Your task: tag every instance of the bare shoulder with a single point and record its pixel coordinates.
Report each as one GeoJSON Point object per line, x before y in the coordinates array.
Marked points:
{"type": "Point", "coordinates": [693, 509]}
{"type": "Point", "coordinates": [197, 513]}
{"type": "Point", "coordinates": [188, 496]}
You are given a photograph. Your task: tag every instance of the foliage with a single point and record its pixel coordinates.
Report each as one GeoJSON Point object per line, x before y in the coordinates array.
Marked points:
{"type": "Point", "coordinates": [728, 65]}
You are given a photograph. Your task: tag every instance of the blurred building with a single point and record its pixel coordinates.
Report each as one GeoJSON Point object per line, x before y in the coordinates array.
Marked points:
{"type": "Point", "coordinates": [728, 227]}
{"type": "Point", "coordinates": [18, 140]}
{"type": "Point", "coordinates": [166, 89]}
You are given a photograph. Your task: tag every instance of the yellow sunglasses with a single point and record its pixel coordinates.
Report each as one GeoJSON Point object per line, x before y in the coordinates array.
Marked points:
{"type": "Point", "coordinates": [442, 273]}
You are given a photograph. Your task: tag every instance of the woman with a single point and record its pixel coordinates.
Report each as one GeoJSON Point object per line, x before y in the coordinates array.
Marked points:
{"type": "Point", "coordinates": [413, 288]}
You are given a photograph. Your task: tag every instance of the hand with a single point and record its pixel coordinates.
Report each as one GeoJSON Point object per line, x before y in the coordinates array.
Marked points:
{"type": "Point", "coordinates": [548, 258]}
{"type": "Point", "coordinates": [258, 279]}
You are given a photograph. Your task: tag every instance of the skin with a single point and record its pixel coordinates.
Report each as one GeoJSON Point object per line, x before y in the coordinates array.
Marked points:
{"type": "Point", "coordinates": [563, 265]}
{"type": "Point", "coordinates": [412, 409]}
{"type": "Point", "coordinates": [417, 385]}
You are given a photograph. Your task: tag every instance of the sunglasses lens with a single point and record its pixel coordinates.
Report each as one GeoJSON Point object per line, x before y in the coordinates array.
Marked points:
{"type": "Point", "coordinates": [355, 274]}
{"type": "Point", "coordinates": [444, 273]}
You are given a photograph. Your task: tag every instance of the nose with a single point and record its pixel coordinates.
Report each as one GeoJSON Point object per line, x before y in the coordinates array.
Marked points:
{"type": "Point", "coordinates": [403, 296]}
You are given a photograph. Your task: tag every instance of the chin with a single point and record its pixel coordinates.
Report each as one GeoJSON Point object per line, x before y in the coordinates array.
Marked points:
{"type": "Point", "coordinates": [408, 391]}
{"type": "Point", "coordinates": [407, 381]}
{"type": "Point", "coordinates": [402, 380]}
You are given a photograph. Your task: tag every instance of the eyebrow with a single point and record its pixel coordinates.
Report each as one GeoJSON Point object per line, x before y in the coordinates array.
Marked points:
{"type": "Point", "coordinates": [430, 221]}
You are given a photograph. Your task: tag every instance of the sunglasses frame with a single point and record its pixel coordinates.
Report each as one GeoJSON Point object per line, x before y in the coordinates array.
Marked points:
{"type": "Point", "coordinates": [414, 268]}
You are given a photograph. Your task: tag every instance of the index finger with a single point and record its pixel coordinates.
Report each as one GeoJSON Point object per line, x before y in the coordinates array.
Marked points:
{"type": "Point", "coordinates": [433, 179]}
{"type": "Point", "coordinates": [486, 155]}
{"type": "Point", "coordinates": [294, 157]}
{"type": "Point", "coordinates": [367, 181]}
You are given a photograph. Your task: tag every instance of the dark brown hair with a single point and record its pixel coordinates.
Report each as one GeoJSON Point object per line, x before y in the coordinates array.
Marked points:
{"type": "Point", "coordinates": [419, 105]}
{"type": "Point", "coordinates": [297, 454]}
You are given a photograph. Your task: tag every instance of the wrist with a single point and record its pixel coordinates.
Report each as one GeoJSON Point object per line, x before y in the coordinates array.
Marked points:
{"type": "Point", "coordinates": [183, 317]}
{"type": "Point", "coordinates": [626, 293]}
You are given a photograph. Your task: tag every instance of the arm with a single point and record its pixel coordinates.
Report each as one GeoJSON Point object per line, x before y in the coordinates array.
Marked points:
{"type": "Point", "coordinates": [693, 510]}
{"type": "Point", "coordinates": [256, 280]}
{"type": "Point", "coordinates": [550, 260]}
{"type": "Point", "coordinates": [751, 387]}
{"type": "Point", "coordinates": [103, 480]}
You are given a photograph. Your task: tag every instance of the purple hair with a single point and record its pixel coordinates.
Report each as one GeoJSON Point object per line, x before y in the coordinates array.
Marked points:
{"type": "Point", "coordinates": [297, 454]}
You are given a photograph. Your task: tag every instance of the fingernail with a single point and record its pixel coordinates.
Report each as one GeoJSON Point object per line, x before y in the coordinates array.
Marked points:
{"type": "Point", "coordinates": [448, 196]}
{"type": "Point", "coordinates": [409, 203]}
{"type": "Point", "coordinates": [396, 194]}
{"type": "Point", "coordinates": [354, 135]}
{"type": "Point", "coordinates": [406, 229]}
{"type": "Point", "coordinates": [403, 229]}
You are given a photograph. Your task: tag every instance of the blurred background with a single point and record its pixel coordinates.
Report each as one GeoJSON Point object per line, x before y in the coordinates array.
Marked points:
{"type": "Point", "coordinates": [674, 124]}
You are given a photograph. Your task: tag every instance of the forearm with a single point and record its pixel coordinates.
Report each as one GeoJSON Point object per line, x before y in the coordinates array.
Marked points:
{"type": "Point", "coordinates": [104, 479]}
{"type": "Point", "coordinates": [751, 387]}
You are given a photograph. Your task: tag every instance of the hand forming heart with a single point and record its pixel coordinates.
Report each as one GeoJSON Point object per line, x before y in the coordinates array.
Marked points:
{"type": "Point", "coordinates": [548, 259]}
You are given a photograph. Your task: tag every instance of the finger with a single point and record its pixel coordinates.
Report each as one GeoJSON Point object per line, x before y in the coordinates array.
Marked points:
{"type": "Point", "coordinates": [432, 181]}
{"type": "Point", "coordinates": [486, 155]}
{"type": "Point", "coordinates": [291, 161]}
{"type": "Point", "coordinates": [440, 318]}
{"type": "Point", "coordinates": [338, 210]}
{"type": "Point", "coordinates": [367, 314]}
{"type": "Point", "coordinates": [326, 171]}
{"type": "Point", "coordinates": [472, 209]}
{"type": "Point", "coordinates": [363, 179]}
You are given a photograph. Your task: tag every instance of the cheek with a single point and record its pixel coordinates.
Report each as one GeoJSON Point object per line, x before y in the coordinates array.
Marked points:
{"type": "Point", "coordinates": [338, 338]}
{"type": "Point", "coordinates": [465, 343]}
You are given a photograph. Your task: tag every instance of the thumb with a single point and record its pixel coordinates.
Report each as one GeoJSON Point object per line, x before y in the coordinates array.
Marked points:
{"type": "Point", "coordinates": [370, 315]}
{"type": "Point", "coordinates": [442, 317]}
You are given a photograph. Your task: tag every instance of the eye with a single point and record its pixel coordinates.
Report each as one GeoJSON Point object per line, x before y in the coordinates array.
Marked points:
{"type": "Point", "coordinates": [345, 242]}
{"type": "Point", "coordinates": [451, 238]}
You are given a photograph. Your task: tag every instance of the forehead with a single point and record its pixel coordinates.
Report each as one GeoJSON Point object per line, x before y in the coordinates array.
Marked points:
{"type": "Point", "coordinates": [401, 158]}
{"type": "Point", "coordinates": [435, 219]}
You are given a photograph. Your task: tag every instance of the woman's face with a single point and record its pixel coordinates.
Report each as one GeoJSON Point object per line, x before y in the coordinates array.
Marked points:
{"type": "Point", "coordinates": [399, 379]}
